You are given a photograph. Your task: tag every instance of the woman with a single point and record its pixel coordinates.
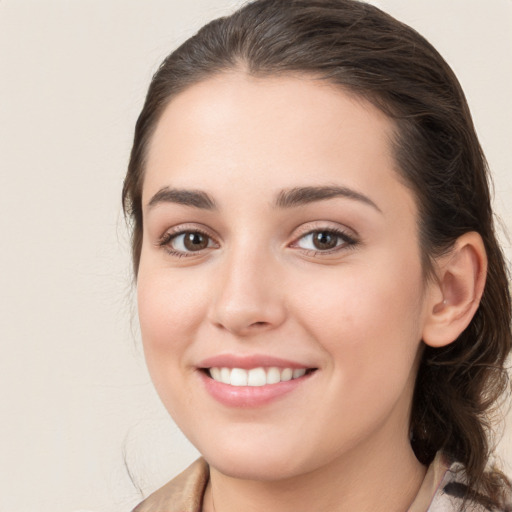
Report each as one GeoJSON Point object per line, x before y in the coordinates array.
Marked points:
{"type": "Point", "coordinates": [323, 304]}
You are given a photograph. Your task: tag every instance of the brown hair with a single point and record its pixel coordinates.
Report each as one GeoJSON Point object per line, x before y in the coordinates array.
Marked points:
{"type": "Point", "coordinates": [363, 50]}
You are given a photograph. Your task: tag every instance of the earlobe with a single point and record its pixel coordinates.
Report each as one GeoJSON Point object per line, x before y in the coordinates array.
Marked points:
{"type": "Point", "coordinates": [455, 295]}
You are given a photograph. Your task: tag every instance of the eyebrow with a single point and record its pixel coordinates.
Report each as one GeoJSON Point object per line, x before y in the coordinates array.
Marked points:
{"type": "Point", "coordinates": [290, 198]}
{"type": "Point", "coordinates": [300, 196]}
{"type": "Point", "coordinates": [193, 198]}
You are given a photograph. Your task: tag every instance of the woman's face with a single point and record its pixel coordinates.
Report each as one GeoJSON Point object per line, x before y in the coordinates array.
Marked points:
{"type": "Point", "coordinates": [278, 239]}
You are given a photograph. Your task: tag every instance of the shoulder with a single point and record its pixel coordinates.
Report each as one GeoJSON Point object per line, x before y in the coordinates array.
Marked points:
{"type": "Point", "coordinates": [182, 494]}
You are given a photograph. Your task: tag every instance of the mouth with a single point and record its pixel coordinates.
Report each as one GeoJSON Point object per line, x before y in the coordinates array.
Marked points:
{"type": "Point", "coordinates": [253, 380]}
{"type": "Point", "coordinates": [255, 377]}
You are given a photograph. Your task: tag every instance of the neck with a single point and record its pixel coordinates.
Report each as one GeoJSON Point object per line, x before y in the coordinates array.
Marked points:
{"type": "Point", "coordinates": [374, 477]}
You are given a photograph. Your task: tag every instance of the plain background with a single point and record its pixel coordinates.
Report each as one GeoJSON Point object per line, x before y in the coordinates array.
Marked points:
{"type": "Point", "coordinates": [75, 398]}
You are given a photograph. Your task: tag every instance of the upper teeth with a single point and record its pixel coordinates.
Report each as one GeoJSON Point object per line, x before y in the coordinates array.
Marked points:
{"type": "Point", "coordinates": [255, 376]}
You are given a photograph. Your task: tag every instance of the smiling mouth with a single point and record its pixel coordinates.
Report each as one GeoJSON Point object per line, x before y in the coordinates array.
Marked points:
{"type": "Point", "coordinates": [255, 377]}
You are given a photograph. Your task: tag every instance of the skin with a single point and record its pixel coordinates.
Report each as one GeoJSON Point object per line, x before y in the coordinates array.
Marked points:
{"type": "Point", "coordinates": [357, 313]}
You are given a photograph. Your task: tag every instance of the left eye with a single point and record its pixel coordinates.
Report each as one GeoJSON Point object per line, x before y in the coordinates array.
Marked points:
{"type": "Point", "coordinates": [190, 241]}
{"type": "Point", "coordinates": [323, 240]}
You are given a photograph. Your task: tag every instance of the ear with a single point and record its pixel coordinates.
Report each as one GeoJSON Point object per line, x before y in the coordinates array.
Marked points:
{"type": "Point", "coordinates": [456, 292]}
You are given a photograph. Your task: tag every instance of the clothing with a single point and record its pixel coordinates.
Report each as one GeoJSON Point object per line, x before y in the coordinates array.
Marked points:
{"type": "Point", "coordinates": [441, 490]}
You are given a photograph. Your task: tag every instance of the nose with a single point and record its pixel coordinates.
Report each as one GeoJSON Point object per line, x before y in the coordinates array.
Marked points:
{"type": "Point", "coordinates": [249, 296]}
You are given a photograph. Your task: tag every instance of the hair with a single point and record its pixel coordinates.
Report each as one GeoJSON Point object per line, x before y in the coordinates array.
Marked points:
{"type": "Point", "coordinates": [367, 52]}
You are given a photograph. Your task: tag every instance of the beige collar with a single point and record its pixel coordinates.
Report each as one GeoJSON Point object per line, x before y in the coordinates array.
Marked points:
{"type": "Point", "coordinates": [435, 474]}
{"type": "Point", "coordinates": [182, 494]}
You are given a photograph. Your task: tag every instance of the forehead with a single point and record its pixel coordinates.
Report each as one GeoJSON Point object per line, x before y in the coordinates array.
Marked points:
{"type": "Point", "coordinates": [270, 133]}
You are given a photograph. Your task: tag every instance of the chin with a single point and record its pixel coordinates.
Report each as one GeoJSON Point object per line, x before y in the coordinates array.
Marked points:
{"type": "Point", "coordinates": [257, 468]}
{"type": "Point", "coordinates": [248, 460]}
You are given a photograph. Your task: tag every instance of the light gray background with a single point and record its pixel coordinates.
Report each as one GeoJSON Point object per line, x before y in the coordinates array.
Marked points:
{"type": "Point", "coordinates": [74, 392]}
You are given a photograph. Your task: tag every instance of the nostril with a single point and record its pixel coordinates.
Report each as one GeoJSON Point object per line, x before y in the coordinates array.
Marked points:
{"type": "Point", "coordinates": [259, 324]}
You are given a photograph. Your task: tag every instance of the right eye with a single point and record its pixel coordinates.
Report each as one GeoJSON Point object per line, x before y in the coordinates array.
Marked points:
{"type": "Point", "coordinates": [186, 242]}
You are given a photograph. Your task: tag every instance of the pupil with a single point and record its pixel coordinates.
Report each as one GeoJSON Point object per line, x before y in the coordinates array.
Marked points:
{"type": "Point", "coordinates": [195, 241]}
{"type": "Point", "coordinates": [325, 240]}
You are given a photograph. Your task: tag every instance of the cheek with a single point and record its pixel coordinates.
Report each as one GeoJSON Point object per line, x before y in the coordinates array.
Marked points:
{"type": "Point", "coordinates": [361, 300]}
{"type": "Point", "coordinates": [170, 310]}
{"type": "Point", "coordinates": [368, 320]}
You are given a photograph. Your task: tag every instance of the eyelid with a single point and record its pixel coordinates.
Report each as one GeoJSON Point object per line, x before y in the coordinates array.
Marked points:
{"type": "Point", "coordinates": [325, 225]}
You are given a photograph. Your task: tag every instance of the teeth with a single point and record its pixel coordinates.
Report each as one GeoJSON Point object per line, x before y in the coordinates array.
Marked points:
{"type": "Point", "coordinates": [299, 373]}
{"type": "Point", "coordinates": [273, 376]}
{"type": "Point", "coordinates": [239, 377]}
{"type": "Point", "coordinates": [287, 374]}
{"type": "Point", "coordinates": [256, 376]}
{"type": "Point", "coordinates": [215, 373]}
{"type": "Point", "coordinates": [225, 375]}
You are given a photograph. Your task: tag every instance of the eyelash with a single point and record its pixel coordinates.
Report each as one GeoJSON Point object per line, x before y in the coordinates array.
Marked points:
{"type": "Point", "coordinates": [347, 241]}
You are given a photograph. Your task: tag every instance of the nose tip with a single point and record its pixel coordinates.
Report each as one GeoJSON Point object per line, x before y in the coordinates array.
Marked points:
{"type": "Point", "coordinates": [244, 318]}
{"type": "Point", "coordinates": [247, 303]}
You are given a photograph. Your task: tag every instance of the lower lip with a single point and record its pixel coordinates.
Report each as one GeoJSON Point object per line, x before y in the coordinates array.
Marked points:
{"type": "Point", "coordinates": [250, 396]}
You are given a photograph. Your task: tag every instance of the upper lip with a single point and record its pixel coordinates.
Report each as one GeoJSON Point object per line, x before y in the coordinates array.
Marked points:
{"type": "Point", "coordinates": [249, 361]}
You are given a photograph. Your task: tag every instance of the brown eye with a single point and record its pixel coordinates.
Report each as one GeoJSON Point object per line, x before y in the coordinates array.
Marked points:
{"type": "Point", "coordinates": [325, 240]}
{"type": "Point", "coordinates": [195, 241]}
{"type": "Point", "coordinates": [190, 241]}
